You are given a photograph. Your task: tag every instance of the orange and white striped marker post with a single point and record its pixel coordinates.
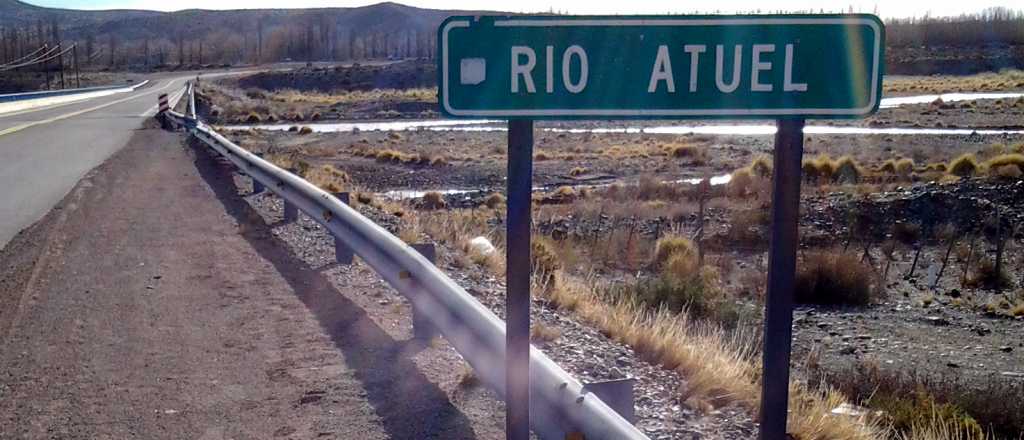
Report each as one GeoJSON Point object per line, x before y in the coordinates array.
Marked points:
{"type": "Point", "coordinates": [161, 114]}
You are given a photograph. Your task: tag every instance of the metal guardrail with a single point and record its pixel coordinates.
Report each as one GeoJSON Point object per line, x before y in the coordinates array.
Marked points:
{"type": "Point", "coordinates": [560, 405]}
{"type": "Point", "coordinates": [11, 97]}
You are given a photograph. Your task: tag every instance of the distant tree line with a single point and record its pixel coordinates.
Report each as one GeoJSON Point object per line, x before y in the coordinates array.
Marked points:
{"type": "Point", "coordinates": [991, 26]}
{"type": "Point", "coordinates": [264, 38]}
{"type": "Point", "coordinates": [308, 38]}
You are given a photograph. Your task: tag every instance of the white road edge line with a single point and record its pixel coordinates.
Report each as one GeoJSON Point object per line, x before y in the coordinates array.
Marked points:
{"type": "Point", "coordinates": [80, 112]}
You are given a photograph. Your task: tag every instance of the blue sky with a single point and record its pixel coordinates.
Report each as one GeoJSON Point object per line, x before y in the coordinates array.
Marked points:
{"type": "Point", "coordinates": [887, 8]}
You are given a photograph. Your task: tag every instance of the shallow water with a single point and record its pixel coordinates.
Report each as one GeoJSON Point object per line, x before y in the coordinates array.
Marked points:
{"type": "Point", "coordinates": [724, 129]}
{"type": "Point", "coordinates": [484, 125]}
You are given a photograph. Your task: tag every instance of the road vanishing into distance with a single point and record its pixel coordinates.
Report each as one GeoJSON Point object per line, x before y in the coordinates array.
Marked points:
{"type": "Point", "coordinates": [45, 151]}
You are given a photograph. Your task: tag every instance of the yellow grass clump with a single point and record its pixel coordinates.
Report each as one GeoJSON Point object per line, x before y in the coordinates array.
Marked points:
{"type": "Point", "coordinates": [494, 201]}
{"type": "Point", "coordinates": [964, 166]}
{"type": "Point", "coordinates": [328, 178]}
{"type": "Point", "coordinates": [672, 245]}
{"type": "Point", "coordinates": [720, 367]}
{"type": "Point", "coordinates": [847, 170]}
{"type": "Point", "coordinates": [1002, 160]}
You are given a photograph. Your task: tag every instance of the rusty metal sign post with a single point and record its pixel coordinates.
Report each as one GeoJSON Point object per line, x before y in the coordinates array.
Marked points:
{"type": "Point", "coordinates": [517, 279]}
{"type": "Point", "coordinates": [786, 68]}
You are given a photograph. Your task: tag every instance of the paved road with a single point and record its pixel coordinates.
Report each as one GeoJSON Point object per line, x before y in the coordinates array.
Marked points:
{"type": "Point", "coordinates": [143, 313]}
{"type": "Point", "coordinates": [44, 152]}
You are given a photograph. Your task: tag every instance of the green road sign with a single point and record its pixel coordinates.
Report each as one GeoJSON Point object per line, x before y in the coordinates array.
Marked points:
{"type": "Point", "coordinates": [669, 67]}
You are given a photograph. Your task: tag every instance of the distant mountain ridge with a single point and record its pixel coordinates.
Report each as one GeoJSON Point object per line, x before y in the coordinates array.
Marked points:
{"type": "Point", "coordinates": [225, 36]}
{"type": "Point", "coordinates": [145, 39]}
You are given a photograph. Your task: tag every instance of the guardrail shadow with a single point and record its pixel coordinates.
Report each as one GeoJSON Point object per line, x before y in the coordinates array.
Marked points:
{"type": "Point", "coordinates": [408, 403]}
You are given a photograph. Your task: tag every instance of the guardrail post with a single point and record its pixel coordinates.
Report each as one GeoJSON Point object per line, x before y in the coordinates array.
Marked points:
{"type": "Point", "coordinates": [422, 329]}
{"type": "Point", "coordinates": [257, 186]}
{"type": "Point", "coordinates": [617, 394]}
{"type": "Point", "coordinates": [291, 212]}
{"type": "Point", "coordinates": [342, 253]}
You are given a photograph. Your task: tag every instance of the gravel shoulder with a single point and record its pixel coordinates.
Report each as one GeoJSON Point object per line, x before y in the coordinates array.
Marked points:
{"type": "Point", "coordinates": [143, 306]}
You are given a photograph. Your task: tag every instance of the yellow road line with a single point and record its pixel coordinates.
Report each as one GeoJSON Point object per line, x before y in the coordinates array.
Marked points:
{"type": "Point", "coordinates": [18, 128]}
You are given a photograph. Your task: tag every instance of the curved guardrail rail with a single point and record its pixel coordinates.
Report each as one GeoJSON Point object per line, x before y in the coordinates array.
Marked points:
{"type": "Point", "coordinates": [559, 404]}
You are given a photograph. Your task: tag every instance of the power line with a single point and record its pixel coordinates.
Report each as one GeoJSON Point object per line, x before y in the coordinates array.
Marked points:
{"type": "Point", "coordinates": [41, 60]}
{"type": "Point", "coordinates": [34, 52]}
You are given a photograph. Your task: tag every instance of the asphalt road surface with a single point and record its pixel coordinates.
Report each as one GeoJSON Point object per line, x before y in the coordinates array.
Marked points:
{"type": "Point", "coordinates": [45, 151]}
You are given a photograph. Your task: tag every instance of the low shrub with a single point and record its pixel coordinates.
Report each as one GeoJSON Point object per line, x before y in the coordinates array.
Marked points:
{"type": "Point", "coordinates": [328, 177]}
{"type": "Point", "coordinates": [741, 184]}
{"type": "Point", "coordinates": [901, 169]}
{"type": "Point", "coordinates": [997, 164]}
{"type": "Point", "coordinates": [964, 166]}
{"type": "Point", "coordinates": [544, 260]}
{"type": "Point", "coordinates": [433, 200]}
{"type": "Point", "coordinates": [305, 130]}
{"type": "Point", "coordinates": [672, 245]}
{"type": "Point", "coordinates": [494, 201]}
{"type": "Point", "coordinates": [685, 151]}
{"type": "Point", "coordinates": [986, 276]}
{"type": "Point", "coordinates": [824, 167]}
{"type": "Point", "coordinates": [1010, 171]}
{"type": "Point", "coordinates": [847, 171]}
{"type": "Point", "coordinates": [833, 278]}
{"type": "Point", "coordinates": [761, 166]}
{"type": "Point", "coordinates": [917, 404]}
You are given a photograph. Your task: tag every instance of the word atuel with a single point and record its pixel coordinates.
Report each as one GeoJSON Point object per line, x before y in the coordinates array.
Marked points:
{"type": "Point", "coordinates": [805, 66]}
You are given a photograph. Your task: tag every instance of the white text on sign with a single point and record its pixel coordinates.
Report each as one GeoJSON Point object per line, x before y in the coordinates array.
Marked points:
{"type": "Point", "coordinates": [762, 59]}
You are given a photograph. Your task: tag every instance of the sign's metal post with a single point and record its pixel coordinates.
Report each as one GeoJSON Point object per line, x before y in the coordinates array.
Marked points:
{"type": "Point", "coordinates": [517, 275]}
{"type": "Point", "coordinates": [778, 320]}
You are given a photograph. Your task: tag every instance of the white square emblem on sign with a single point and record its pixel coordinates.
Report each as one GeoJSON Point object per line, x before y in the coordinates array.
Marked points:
{"type": "Point", "coordinates": [472, 71]}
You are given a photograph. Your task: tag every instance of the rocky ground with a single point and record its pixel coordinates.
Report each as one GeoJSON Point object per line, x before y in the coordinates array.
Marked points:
{"type": "Point", "coordinates": [475, 160]}
{"type": "Point", "coordinates": [581, 350]}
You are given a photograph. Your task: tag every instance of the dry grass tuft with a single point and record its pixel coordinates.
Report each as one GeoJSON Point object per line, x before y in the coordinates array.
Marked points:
{"type": "Point", "coordinates": [328, 178]}
{"type": "Point", "coordinates": [761, 166]}
{"type": "Point", "coordinates": [1010, 171]}
{"type": "Point", "coordinates": [819, 170]}
{"type": "Point", "coordinates": [964, 166]}
{"type": "Point", "coordinates": [544, 333]}
{"type": "Point", "coordinates": [545, 261]}
{"type": "Point", "coordinates": [720, 367]}
{"type": "Point", "coordinates": [901, 169]}
{"type": "Point", "coordinates": [578, 171]}
{"type": "Point", "coordinates": [847, 171]}
{"type": "Point", "coordinates": [833, 278]}
{"type": "Point", "coordinates": [996, 164]}
{"type": "Point", "coordinates": [433, 200]}
{"type": "Point", "coordinates": [674, 245]}
{"type": "Point", "coordinates": [494, 201]}
{"type": "Point", "coordinates": [744, 184]}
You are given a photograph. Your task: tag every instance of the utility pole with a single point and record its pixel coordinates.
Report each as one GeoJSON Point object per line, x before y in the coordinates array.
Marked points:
{"type": "Point", "coordinates": [78, 79]}
{"type": "Point", "coordinates": [60, 58]}
{"type": "Point", "coordinates": [46, 70]}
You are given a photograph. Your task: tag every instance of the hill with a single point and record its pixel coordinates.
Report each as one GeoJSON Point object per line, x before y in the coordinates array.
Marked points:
{"type": "Point", "coordinates": [118, 39]}
{"type": "Point", "coordinates": [134, 37]}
